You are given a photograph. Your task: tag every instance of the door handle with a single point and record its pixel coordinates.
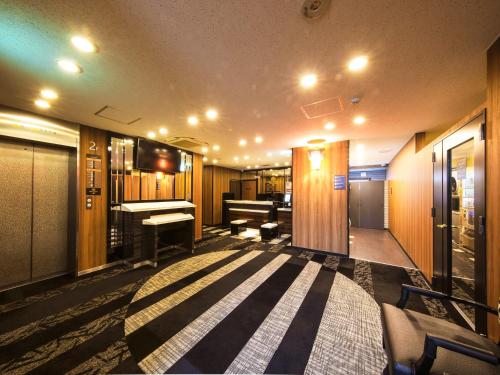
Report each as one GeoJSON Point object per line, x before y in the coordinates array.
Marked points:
{"type": "Point", "coordinates": [442, 226]}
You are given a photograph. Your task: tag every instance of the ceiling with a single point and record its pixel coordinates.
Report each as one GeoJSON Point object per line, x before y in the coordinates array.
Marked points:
{"type": "Point", "coordinates": [164, 60]}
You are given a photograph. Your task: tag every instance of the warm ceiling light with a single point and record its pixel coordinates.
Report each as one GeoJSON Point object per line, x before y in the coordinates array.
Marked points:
{"type": "Point", "coordinates": [256, 166]}
{"type": "Point", "coordinates": [276, 164]}
{"type": "Point", "coordinates": [163, 131]}
{"type": "Point", "coordinates": [236, 159]}
{"type": "Point", "coordinates": [269, 154]}
{"type": "Point", "coordinates": [308, 80]}
{"type": "Point", "coordinates": [216, 148]}
{"type": "Point", "coordinates": [246, 157]}
{"type": "Point", "coordinates": [358, 120]}
{"type": "Point", "coordinates": [49, 94]}
{"type": "Point", "coordinates": [215, 161]}
{"type": "Point", "coordinates": [151, 134]}
{"type": "Point", "coordinates": [360, 147]}
{"type": "Point", "coordinates": [193, 120]}
{"type": "Point", "coordinates": [243, 142]}
{"type": "Point", "coordinates": [211, 114]}
{"type": "Point", "coordinates": [248, 167]}
{"type": "Point", "coordinates": [258, 139]}
{"type": "Point", "coordinates": [287, 163]}
{"type": "Point", "coordinates": [358, 63]}
{"type": "Point", "coordinates": [40, 103]}
{"type": "Point", "coordinates": [69, 66]}
{"type": "Point", "coordinates": [204, 149]}
{"type": "Point", "coordinates": [83, 44]}
{"type": "Point", "coordinates": [329, 126]}
{"type": "Point", "coordinates": [205, 158]}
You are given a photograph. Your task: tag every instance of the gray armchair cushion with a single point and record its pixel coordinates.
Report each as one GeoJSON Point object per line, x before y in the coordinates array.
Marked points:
{"type": "Point", "coordinates": [404, 336]}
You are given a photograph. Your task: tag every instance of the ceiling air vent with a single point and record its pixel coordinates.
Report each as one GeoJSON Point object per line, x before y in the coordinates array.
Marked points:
{"type": "Point", "coordinates": [322, 108]}
{"type": "Point", "coordinates": [313, 9]}
{"type": "Point", "coordinates": [116, 115]}
{"type": "Point", "coordinates": [185, 142]}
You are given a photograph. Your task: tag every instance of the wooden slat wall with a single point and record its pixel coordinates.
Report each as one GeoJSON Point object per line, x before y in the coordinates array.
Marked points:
{"type": "Point", "coordinates": [320, 218]}
{"type": "Point", "coordinates": [410, 203]}
{"type": "Point", "coordinates": [92, 222]}
{"type": "Point", "coordinates": [198, 194]}
{"type": "Point", "coordinates": [493, 185]}
{"type": "Point", "coordinates": [215, 182]}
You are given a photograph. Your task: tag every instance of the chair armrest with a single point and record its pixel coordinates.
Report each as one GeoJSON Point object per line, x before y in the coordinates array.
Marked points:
{"type": "Point", "coordinates": [407, 289]}
{"type": "Point", "coordinates": [432, 342]}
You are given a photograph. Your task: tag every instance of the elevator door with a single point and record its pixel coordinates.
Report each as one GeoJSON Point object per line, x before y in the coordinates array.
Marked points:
{"type": "Point", "coordinates": [366, 204]}
{"type": "Point", "coordinates": [459, 218]}
{"type": "Point", "coordinates": [34, 232]}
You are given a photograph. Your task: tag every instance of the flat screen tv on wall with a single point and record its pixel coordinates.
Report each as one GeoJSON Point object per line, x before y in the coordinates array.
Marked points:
{"type": "Point", "coordinates": [156, 156]}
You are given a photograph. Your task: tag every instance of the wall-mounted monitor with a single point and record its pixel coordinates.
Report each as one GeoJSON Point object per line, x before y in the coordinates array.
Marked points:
{"type": "Point", "coordinates": [156, 156]}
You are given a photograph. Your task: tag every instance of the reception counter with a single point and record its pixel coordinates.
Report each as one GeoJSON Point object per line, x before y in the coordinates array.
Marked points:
{"type": "Point", "coordinates": [151, 229]}
{"type": "Point", "coordinates": [255, 213]}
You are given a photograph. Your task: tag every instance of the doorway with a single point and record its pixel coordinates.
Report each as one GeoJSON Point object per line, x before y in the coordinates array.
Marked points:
{"type": "Point", "coordinates": [249, 190]}
{"type": "Point", "coordinates": [459, 218]}
{"type": "Point", "coordinates": [366, 204]}
{"type": "Point", "coordinates": [37, 215]}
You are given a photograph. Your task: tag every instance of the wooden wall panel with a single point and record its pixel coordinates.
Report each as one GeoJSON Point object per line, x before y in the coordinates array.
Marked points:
{"type": "Point", "coordinates": [180, 181]}
{"type": "Point", "coordinates": [493, 185]}
{"type": "Point", "coordinates": [92, 222]}
{"type": "Point", "coordinates": [198, 195]}
{"type": "Point", "coordinates": [215, 182]}
{"type": "Point", "coordinates": [320, 217]}
{"type": "Point", "coordinates": [410, 203]}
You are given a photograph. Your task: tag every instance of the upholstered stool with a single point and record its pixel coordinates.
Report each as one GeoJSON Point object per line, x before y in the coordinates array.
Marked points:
{"type": "Point", "coordinates": [238, 226]}
{"type": "Point", "coordinates": [268, 231]}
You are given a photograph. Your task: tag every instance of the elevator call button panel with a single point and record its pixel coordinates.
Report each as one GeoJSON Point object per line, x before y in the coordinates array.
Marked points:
{"type": "Point", "coordinates": [92, 179]}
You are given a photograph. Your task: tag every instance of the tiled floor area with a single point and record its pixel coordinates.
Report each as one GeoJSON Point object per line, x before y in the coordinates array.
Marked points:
{"type": "Point", "coordinates": [377, 245]}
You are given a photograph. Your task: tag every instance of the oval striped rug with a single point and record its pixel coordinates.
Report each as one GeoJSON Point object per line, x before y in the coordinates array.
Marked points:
{"type": "Point", "coordinates": [240, 311]}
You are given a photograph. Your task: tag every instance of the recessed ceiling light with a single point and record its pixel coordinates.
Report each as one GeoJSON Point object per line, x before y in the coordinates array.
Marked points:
{"type": "Point", "coordinates": [193, 120]}
{"type": "Point", "coordinates": [215, 161]}
{"type": "Point", "coordinates": [329, 125]}
{"type": "Point", "coordinates": [236, 159]}
{"type": "Point", "coordinates": [49, 94]}
{"type": "Point", "coordinates": [151, 134]}
{"type": "Point", "coordinates": [269, 154]}
{"type": "Point", "coordinates": [246, 157]}
{"type": "Point", "coordinates": [256, 166]}
{"type": "Point", "coordinates": [358, 120]}
{"type": "Point", "coordinates": [258, 139]}
{"type": "Point", "coordinates": [205, 158]}
{"type": "Point", "coordinates": [360, 147]}
{"type": "Point", "coordinates": [204, 149]}
{"type": "Point", "coordinates": [40, 103]}
{"type": "Point", "coordinates": [308, 80]}
{"type": "Point", "coordinates": [243, 142]}
{"type": "Point", "coordinates": [287, 163]}
{"type": "Point", "coordinates": [83, 44]}
{"type": "Point", "coordinates": [216, 147]}
{"type": "Point", "coordinates": [276, 164]}
{"type": "Point", "coordinates": [211, 114]}
{"type": "Point", "coordinates": [69, 66]}
{"type": "Point", "coordinates": [358, 63]}
{"type": "Point", "coordinates": [163, 131]}
{"type": "Point", "coordinates": [248, 167]}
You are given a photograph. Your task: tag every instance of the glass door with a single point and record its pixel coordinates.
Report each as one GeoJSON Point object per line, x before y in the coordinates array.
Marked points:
{"type": "Point", "coordinates": [459, 218]}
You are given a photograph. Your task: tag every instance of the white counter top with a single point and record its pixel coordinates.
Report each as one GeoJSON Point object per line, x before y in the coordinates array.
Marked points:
{"type": "Point", "coordinates": [154, 206]}
{"type": "Point", "coordinates": [167, 218]}
{"type": "Point", "coordinates": [267, 203]}
{"type": "Point", "coordinates": [285, 209]}
{"type": "Point", "coordinates": [248, 210]}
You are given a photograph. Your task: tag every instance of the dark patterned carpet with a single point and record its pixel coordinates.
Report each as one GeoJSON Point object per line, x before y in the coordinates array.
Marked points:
{"type": "Point", "coordinates": [269, 308]}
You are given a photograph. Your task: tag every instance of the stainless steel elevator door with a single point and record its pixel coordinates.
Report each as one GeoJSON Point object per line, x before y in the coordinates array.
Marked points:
{"type": "Point", "coordinates": [50, 211]}
{"type": "Point", "coordinates": [16, 167]}
{"type": "Point", "coordinates": [34, 188]}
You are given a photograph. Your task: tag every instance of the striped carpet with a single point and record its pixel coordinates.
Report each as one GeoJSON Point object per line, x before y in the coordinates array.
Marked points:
{"type": "Point", "coordinates": [239, 305]}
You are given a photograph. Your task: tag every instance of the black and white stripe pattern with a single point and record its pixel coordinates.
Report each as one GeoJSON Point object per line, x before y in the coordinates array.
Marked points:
{"type": "Point", "coordinates": [78, 326]}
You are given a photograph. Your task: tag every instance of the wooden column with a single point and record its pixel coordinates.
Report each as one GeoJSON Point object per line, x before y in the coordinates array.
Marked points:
{"type": "Point", "coordinates": [320, 213]}
{"type": "Point", "coordinates": [92, 221]}
{"type": "Point", "coordinates": [493, 185]}
{"type": "Point", "coordinates": [197, 194]}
